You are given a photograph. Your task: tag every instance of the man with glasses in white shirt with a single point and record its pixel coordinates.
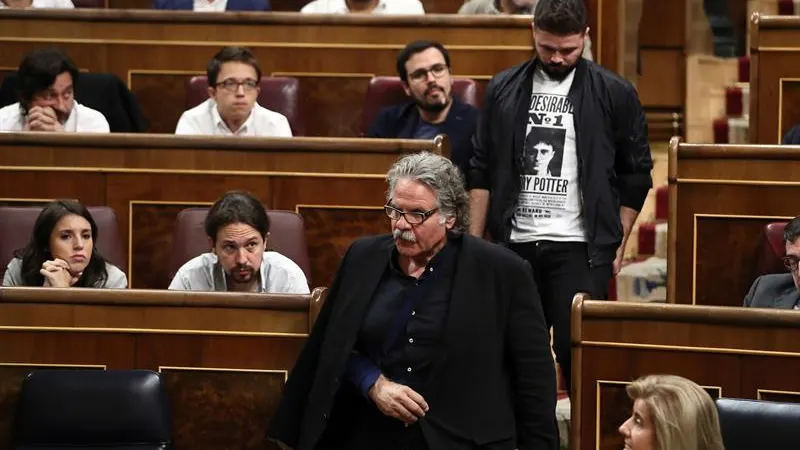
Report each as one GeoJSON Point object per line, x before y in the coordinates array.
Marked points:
{"type": "Point", "coordinates": [231, 109]}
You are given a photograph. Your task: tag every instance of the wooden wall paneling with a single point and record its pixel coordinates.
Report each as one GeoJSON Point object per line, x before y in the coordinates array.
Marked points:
{"type": "Point", "coordinates": [330, 230]}
{"type": "Point", "coordinates": [773, 77]}
{"type": "Point", "coordinates": [607, 371]}
{"type": "Point", "coordinates": [148, 179]}
{"type": "Point", "coordinates": [161, 95]}
{"type": "Point", "coordinates": [723, 196]}
{"type": "Point", "coordinates": [766, 380]}
{"type": "Point", "coordinates": [224, 357]}
{"type": "Point", "coordinates": [150, 203]}
{"type": "Point", "coordinates": [151, 50]}
{"type": "Point", "coordinates": [213, 408]}
{"type": "Point", "coordinates": [331, 103]}
{"type": "Point", "coordinates": [732, 352]}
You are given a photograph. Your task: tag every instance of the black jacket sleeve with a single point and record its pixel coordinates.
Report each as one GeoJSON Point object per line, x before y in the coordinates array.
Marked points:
{"type": "Point", "coordinates": [381, 126]}
{"type": "Point", "coordinates": [633, 161]}
{"type": "Point", "coordinates": [528, 346]}
{"type": "Point", "coordinates": [479, 176]}
{"type": "Point", "coordinates": [287, 422]}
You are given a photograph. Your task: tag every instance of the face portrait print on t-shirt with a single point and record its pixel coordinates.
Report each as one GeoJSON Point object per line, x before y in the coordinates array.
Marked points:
{"type": "Point", "coordinates": [543, 188]}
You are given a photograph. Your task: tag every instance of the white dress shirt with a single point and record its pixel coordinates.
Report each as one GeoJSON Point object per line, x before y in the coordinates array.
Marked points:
{"type": "Point", "coordinates": [392, 7]}
{"type": "Point", "coordinates": [46, 4]}
{"type": "Point", "coordinates": [204, 119]}
{"type": "Point", "coordinates": [207, 6]}
{"type": "Point", "coordinates": [82, 119]}
{"type": "Point", "coordinates": [279, 275]}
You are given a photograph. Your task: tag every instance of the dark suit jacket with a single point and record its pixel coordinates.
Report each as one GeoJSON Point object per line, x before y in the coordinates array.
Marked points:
{"type": "Point", "coordinates": [492, 380]}
{"type": "Point", "coordinates": [399, 122]}
{"type": "Point", "coordinates": [792, 137]}
{"type": "Point", "coordinates": [233, 5]}
{"type": "Point", "coordinates": [103, 92]}
{"type": "Point", "coordinates": [775, 290]}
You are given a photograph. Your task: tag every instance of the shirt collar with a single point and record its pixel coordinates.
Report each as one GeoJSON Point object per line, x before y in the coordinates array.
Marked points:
{"type": "Point", "coordinates": [445, 259]}
{"type": "Point", "coordinates": [262, 275]}
{"type": "Point", "coordinates": [220, 124]}
{"type": "Point", "coordinates": [381, 7]}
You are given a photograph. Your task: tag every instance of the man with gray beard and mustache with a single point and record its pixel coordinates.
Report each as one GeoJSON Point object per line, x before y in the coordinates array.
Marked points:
{"type": "Point", "coordinates": [424, 70]}
{"type": "Point", "coordinates": [428, 338]}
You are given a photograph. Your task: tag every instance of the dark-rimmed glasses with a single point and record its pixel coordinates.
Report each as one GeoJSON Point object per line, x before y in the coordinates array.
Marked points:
{"type": "Point", "coordinates": [438, 71]}
{"type": "Point", "coordinates": [231, 85]}
{"type": "Point", "coordinates": [412, 217]}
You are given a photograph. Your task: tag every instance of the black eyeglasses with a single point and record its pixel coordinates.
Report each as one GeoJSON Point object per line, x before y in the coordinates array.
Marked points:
{"type": "Point", "coordinates": [438, 70]}
{"type": "Point", "coordinates": [791, 263]}
{"type": "Point", "coordinates": [231, 85]}
{"type": "Point", "coordinates": [412, 217]}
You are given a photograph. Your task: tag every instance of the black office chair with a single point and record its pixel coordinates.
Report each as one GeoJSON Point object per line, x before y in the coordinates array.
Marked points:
{"type": "Point", "coordinates": [97, 409]}
{"type": "Point", "coordinates": [754, 424]}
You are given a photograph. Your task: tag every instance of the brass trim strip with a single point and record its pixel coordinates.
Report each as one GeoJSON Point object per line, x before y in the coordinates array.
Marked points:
{"type": "Point", "coordinates": [311, 206]}
{"type": "Point", "coordinates": [225, 369]}
{"type": "Point", "coordinates": [258, 44]}
{"type": "Point", "coordinates": [323, 74]}
{"type": "Point", "coordinates": [88, 366]}
{"type": "Point", "coordinates": [155, 331]}
{"type": "Point", "coordinates": [734, 351]}
{"type": "Point", "coordinates": [24, 200]}
{"type": "Point", "coordinates": [736, 182]}
{"type": "Point", "coordinates": [192, 172]}
{"type": "Point", "coordinates": [772, 391]}
{"type": "Point", "coordinates": [779, 49]}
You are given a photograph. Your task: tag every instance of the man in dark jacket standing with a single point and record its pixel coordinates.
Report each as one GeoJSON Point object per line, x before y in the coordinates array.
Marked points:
{"type": "Point", "coordinates": [428, 339]}
{"type": "Point", "coordinates": [561, 166]}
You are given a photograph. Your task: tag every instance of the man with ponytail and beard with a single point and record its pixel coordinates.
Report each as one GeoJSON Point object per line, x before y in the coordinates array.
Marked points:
{"type": "Point", "coordinates": [237, 226]}
{"type": "Point", "coordinates": [424, 69]}
{"type": "Point", "coordinates": [428, 338]}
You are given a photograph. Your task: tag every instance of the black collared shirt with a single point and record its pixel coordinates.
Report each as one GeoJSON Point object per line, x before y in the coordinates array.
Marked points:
{"type": "Point", "coordinates": [405, 320]}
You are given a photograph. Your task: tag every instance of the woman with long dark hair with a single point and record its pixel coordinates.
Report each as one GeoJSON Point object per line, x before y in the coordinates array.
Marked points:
{"type": "Point", "coordinates": [62, 252]}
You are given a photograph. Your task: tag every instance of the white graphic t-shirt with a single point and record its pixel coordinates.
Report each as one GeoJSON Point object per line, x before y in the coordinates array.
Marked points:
{"type": "Point", "coordinates": [549, 205]}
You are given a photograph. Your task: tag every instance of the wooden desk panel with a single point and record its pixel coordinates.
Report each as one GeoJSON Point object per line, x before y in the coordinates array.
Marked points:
{"type": "Point", "coordinates": [774, 79]}
{"type": "Point", "coordinates": [431, 6]}
{"type": "Point", "coordinates": [720, 198]}
{"type": "Point", "coordinates": [333, 56]}
{"type": "Point", "coordinates": [731, 352]}
{"type": "Point", "coordinates": [223, 378]}
{"type": "Point", "coordinates": [337, 185]}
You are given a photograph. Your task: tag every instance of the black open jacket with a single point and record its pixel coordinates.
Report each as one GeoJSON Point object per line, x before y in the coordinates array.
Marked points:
{"type": "Point", "coordinates": [614, 159]}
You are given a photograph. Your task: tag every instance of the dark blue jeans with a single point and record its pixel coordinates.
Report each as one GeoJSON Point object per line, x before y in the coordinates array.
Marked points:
{"type": "Point", "coordinates": [561, 270]}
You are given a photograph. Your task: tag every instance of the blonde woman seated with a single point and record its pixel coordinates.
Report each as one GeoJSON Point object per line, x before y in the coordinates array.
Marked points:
{"type": "Point", "coordinates": [671, 413]}
{"type": "Point", "coordinates": [61, 252]}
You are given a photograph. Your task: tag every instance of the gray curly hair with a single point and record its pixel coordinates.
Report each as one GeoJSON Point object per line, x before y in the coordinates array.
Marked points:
{"type": "Point", "coordinates": [443, 177]}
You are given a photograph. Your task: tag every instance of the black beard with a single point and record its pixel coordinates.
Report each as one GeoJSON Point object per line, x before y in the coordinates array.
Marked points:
{"type": "Point", "coordinates": [431, 107]}
{"type": "Point", "coordinates": [557, 74]}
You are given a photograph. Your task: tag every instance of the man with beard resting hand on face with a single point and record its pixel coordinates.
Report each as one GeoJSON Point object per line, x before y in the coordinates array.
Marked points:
{"type": "Point", "coordinates": [47, 80]}
{"type": "Point", "coordinates": [238, 227]}
{"type": "Point", "coordinates": [424, 68]}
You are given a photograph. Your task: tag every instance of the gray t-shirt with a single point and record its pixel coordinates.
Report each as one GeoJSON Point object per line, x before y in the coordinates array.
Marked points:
{"type": "Point", "coordinates": [116, 278]}
{"type": "Point", "coordinates": [279, 275]}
